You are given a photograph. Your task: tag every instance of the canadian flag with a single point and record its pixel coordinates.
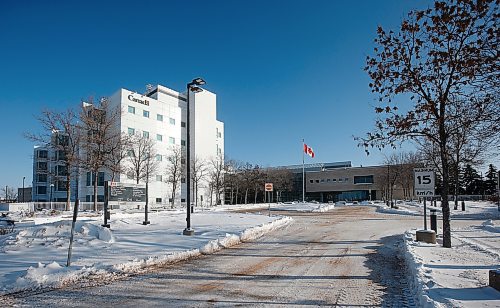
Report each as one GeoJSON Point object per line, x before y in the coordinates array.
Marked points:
{"type": "Point", "coordinates": [308, 150]}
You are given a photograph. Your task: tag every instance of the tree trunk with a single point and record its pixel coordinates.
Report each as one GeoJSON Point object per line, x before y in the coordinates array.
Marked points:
{"type": "Point", "coordinates": [95, 190]}
{"type": "Point", "coordinates": [68, 190]}
{"type": "Point", "coordinates": [446, 180]}
{"type": "Point", "coordinates": [246, 196]}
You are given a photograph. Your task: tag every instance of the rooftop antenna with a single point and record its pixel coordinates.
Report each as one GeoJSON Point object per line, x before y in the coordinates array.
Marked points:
{"type": "Point", "coordinates": [149, 87]}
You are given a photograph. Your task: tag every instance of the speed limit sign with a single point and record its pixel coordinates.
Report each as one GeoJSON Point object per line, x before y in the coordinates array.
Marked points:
{"type": "Point", "coordinates": [424, 182]}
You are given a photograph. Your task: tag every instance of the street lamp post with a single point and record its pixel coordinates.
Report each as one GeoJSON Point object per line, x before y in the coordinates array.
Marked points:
{"type": "Point", "coordinates": [51, 190]}
{"type": "Point", "coordinates": [23, 188]}
{"type": "Point", "coordinates": [192, 86]}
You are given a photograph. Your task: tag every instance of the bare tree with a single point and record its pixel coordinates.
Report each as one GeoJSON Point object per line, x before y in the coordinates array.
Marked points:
{"type": "Point", "coordinates": [282, 180]}
{"type": "Point", "coordinates": [141, 161]}
{"type": "Point", "coordinates": [232, 179]}
{"type": "Point", "coordinates": [247, 177]}
{"type": "Point", "coordinates": [175, 170]}
{"type": "Point", "coordinates": [9, 193]}
{"type": "Point", "coordinates": [440, 56]}
{"type": "Point", "coordinates": [198, 175]}
{"type": "Point", "coordinates": [61, 134]}
{"type": "Point", "coordinates": [117, 155]}
{"type": "Point", "coordinates": [100, 121]}
{"type": "Point", "coordinates": [216, 176]}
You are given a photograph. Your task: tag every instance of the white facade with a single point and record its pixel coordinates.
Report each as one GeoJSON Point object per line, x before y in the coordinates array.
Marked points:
{"type": "Point", "coordinates": [161, 115]}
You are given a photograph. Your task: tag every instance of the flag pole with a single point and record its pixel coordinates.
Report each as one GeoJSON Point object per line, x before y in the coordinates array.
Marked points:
{"type": "Point", "coordinates": [303, 174]}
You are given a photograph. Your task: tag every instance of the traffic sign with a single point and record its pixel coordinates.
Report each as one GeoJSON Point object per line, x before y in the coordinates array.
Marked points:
{"type": "Point", "coordinates": [424, 182]}
{"type": "Point", "coordinates": [268, 187]}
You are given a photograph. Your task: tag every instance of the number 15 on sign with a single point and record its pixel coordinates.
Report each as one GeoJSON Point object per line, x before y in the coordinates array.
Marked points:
{"type": "Point", "coordinates": [424, 182]}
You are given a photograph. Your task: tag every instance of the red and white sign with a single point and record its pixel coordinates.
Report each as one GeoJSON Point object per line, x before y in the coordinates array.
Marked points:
{"type": "Point", "coordinates": [308, 150]}
{"type": "Point", "coordinates": [268, 187]}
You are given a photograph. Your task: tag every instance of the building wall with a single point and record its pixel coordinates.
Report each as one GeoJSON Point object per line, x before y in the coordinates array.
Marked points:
{"type": "Point", "coordinates": [207, 138]}
{"type": "Point", "coordinates": [339, 184]}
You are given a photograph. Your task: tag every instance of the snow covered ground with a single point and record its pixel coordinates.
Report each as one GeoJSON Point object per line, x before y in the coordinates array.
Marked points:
{"type": "Point", "coordinates": [457, 276]}
{"type": "Point", "coordinates": [35, 255]}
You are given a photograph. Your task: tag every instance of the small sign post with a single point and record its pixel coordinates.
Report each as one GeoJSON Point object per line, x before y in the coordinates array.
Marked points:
{"type": "Point", "coordinates": [268, 188]}
{"type": "Point", "coordinates": [424, 187]}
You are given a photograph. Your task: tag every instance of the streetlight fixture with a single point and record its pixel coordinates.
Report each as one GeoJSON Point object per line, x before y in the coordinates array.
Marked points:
{"type": "Point", "coordinates": [191, 87]}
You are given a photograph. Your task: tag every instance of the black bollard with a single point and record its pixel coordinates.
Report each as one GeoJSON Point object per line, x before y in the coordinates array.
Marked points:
{"type": "Point", "coordinates": [433, 220]}
{"type": "Point", "coordinates": [463, 205]}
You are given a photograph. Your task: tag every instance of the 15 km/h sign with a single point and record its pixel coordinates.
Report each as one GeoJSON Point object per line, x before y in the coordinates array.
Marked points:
{"type": "Point", "coordinates": [424, 182]}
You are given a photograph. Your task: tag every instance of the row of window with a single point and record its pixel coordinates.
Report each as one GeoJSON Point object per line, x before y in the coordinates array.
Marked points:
{"type": "Point", "coordinates": [145, 134]}
{"type": "Point", "coordinates": [340, 180]}
{"type": "Point", "coordinates": [159, 117]}
{"type": "Point", "coordinates": [60, 170]}
{"type": "Point", "coordinates": [159, 178]}
{"type": "Point", "coordinates": [364, 179]}
{"type": "Point", "coordinates": [59, 186]}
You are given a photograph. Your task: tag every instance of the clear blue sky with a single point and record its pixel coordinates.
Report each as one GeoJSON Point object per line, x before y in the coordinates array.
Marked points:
{"type": "Point", "coordinates": [282, 70]}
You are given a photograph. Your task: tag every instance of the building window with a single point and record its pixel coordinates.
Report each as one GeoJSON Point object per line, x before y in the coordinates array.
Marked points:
{"type": "Point", "coordinates": [346, 180]}
{"type": "Point", "coordinates": [334, 180]}
{"type": "Point", "coordinates": [183, 142]}
{"type": "Point", "coordinates": [100, 179]}
{"type": "Point", "coordinates": [130, 153]}
{"type": "Point", "coordinates": [61, 155]}
{"type": "Point", "coordinates": [41, 190]}
{"type": "Point", "coordinates": [322, 180]}
{"type": "Point", "coordinates": [328, 180]}
{"type": "Point", "coordinates": [158, 200]}
{"type": "Point", "coordinates": [159, 117]}
{"type": "Point", "coordinates": [183, 124]}
{"type": "Point", "coordinates": [340, 180]}
{"type": "Point", "coordinates": [145, 134]}
{"type": "Point", "coordinates": [158, 157]}
{"type": "Point", "coordinates": [171, 140]}
{"type": "Point", "coordinates": [183, 200]}
{"type": "Point", "coordinates": [42, 178]}
{"type": "Point", "coordinates": [41, 165]}
{"type": "Point", "coordinates": [42, 154]}
{"type": "Point", "coordinates": [131, 131]}
{"type": "Point", "coordinates": [363, 179]}
{"type": "Point", "coordinates": [131, 175]}
{"type": "Point", "coordinates": [311, 181]}
{"type": "Point", "coordinates": [183, 180]}
{"type": "Point", "coordinates": [61, 186]}
{"type": "Point", "coordinates": [317, 181]}
{"type": "Point", "coordinates": [159, 137]}
{"type": "Point", "coordinates": [61, 170]}
{"type": "Point", "coordinates": [145, 113]}
{"type": "Point", "coordinates": [131, 109]}
{"type": "Point", "coordinates": [158, 177]}
{"type": "Point", "coordinates": [172, 121]}
{"type": "Point", "coordinates": [90, 179]}
{"type": "Point", "coordinates": [183, 161]}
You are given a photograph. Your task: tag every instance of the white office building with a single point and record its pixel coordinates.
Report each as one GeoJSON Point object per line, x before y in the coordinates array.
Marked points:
{"type": "Point", "coordinates": [159, 114]}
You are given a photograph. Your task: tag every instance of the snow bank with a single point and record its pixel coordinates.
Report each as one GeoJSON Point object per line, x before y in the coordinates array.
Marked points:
{"type": "Point", "coordinates": [420, 281]}
{"type": "Point", "coordinates": [128, 248]}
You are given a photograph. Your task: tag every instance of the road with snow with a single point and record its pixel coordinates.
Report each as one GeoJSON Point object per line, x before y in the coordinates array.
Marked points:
{"type": "Point", "coordinates": [343, 257]}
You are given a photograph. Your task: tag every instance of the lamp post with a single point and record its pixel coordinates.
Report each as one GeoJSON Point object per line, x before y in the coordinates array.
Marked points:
{"type": "Point", "coordinates": [51, 190]}
{"type": "Point", "coordinates": [23, 188]}
{"type": "Point", "coordinates": [191, 87]}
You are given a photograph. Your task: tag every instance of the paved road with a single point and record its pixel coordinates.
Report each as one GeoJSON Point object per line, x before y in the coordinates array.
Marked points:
{"type": "Point", "coordinates": [345, 257]}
